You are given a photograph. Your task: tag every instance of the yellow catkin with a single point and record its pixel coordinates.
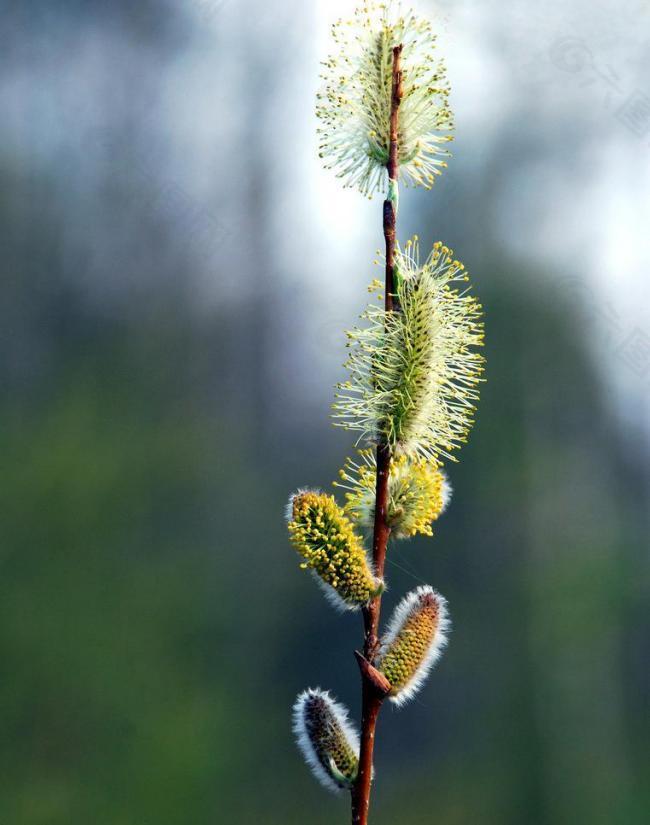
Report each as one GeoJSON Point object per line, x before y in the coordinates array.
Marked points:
{"type": "Point", "coordinates": [325, 538]}
{"type": "Point", "coordinates": [418, 492]}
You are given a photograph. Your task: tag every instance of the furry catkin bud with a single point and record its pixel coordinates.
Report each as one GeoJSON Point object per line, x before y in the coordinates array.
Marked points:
{"type": "Point", "coordinates": [324, 536]}
{"type": "Point", "coordinates": [418, 493]}
{"type": "Point", "coordinates": [414, 373]}
{"type": "Point", "coordinates": [414, 642]}
{"type": "Point", "coordinates": [327, 740]}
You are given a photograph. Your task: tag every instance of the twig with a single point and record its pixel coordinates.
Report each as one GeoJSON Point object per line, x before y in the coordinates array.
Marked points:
{"type": "Point", "coordinates": [372, 693]}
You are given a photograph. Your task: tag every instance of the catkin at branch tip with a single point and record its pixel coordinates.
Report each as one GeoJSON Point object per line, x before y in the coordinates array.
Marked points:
{"type": "Point", "coordinates": [354, 104]}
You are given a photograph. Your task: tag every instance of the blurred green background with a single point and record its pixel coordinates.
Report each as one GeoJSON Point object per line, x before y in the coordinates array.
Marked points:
{"type": "Point", "coordinates": [170, 337]}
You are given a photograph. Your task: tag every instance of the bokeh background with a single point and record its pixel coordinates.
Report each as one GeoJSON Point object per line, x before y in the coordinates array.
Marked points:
{"type": "Point", "coordinates": [177, 271]}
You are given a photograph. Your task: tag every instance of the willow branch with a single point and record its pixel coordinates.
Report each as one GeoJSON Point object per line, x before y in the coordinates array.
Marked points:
{"type": "Point", "coordinates": [372, 693]}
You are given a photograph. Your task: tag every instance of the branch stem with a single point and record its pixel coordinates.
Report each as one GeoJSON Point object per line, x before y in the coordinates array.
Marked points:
{"type": "Point", "coordinates": [372, 697]}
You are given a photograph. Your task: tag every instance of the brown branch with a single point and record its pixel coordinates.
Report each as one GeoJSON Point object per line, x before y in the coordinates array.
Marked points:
{"type": "Point", "coordinates": [372, 696]}
{"type": "Point", "coordinates": [371, 674]}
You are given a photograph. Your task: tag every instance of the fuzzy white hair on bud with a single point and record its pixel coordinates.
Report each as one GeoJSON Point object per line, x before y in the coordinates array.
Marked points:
{"type": "Point", "coordinates": [447, 492]}
{"type": "Point", "coordinates": [326, 739]}
{"type": "Point", "coordinates": [415, 639]}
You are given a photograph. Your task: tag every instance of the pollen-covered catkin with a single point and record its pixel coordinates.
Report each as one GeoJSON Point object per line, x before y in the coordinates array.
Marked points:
{"type": "Point", "coordinates": [324, 536]}
{"type": "Point", "coordinates": [414, 642]}
{"type": "Point", "coordinates": [326, 739]}
{"type": "Point", "coordinates": [354, 104]}
{"type": "Point", "coordinates": [418, 493]}
{"type": "Point", "coordinates": [414, 373]}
